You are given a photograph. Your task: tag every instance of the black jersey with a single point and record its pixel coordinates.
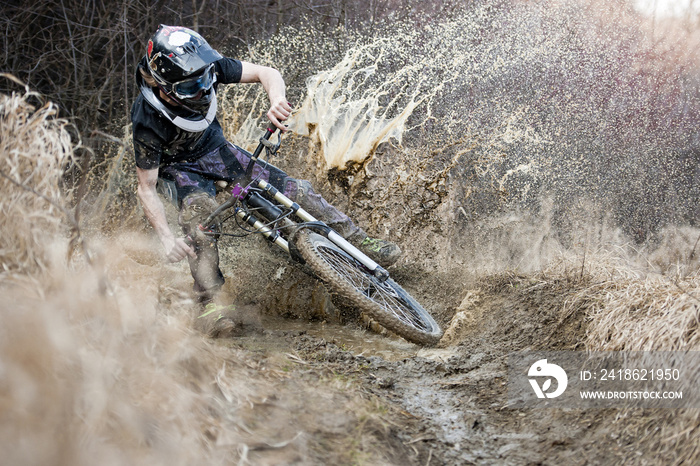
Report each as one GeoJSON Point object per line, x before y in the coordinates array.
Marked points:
{"type": "Point", "coordinates": [158, 142]}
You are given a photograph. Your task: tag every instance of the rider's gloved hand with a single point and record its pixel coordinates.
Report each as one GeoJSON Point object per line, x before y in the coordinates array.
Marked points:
{"type": "Point", "coordinates": [177, 249]}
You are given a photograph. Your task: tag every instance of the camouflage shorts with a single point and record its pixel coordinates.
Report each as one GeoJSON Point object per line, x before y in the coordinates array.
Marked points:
{"type": "Point", "coordinates": [229, 164]}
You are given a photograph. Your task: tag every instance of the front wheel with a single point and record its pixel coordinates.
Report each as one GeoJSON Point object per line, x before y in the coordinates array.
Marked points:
{"type": "Point", "coordinates": [386, 302]}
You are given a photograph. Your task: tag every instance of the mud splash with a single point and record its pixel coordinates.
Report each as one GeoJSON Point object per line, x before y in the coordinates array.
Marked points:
{"type": "Point", "coordinates": [348, 111]}
{"type": "Point", "coordinates": [497, 118]}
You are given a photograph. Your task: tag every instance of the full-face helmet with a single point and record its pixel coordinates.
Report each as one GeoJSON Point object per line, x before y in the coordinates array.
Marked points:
{"type": "Point", "coordinates": [182, 64]}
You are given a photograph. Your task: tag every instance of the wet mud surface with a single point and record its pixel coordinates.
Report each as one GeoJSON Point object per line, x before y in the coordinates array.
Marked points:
{"type": "Point", "coordinates": [316, 383]}
{"type": "Point", "coordinates": [434, 406]}
{"type": "Point", "coordinates": [443, 405]}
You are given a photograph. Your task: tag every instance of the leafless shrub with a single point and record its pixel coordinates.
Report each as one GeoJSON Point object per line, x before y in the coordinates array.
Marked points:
{"type": "Point", "coordinates": [83, 54]}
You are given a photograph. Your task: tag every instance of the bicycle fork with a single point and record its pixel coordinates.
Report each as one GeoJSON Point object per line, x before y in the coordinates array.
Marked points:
{"type": "Point", "coordinates": [309, 220]}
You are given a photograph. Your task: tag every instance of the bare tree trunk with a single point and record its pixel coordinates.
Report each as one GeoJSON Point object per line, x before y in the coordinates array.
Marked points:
{"type": "Point", "coordinates": [197, 13]}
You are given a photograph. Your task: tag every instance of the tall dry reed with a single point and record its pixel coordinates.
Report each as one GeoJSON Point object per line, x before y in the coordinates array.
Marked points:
{"type": "Point", "coordinates": [94, 374]}
{"type": "Point", "coordinates": [35, 147]}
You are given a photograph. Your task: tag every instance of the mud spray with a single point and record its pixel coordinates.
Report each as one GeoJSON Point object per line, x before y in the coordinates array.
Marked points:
{"type": "Point", "coordinates": [511, 148]}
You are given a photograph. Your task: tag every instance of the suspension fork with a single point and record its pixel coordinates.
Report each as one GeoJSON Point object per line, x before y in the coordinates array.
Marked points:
{"type": "Point", "coordinates": [306, 217]}
{"type": "Point", "coordinates": [271, 234]}
{"type": "Point", "coordinates": [332, 235]}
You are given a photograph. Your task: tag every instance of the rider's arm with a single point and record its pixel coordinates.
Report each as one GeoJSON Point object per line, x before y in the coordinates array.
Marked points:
{"type": "Point", "coordinates": [272, 81]}
{"type": "Point", "coordinates": [175, 248]}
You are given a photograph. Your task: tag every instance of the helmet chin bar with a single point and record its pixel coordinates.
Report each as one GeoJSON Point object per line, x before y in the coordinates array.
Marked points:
{"type": "Point", "coordinates": [197, 124]}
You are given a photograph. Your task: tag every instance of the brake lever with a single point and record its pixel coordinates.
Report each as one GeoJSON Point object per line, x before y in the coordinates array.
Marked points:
{"type": "Point", "coordinates": [270, 147]}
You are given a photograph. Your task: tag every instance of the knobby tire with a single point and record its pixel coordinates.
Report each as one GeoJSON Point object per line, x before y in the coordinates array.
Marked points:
{"type": "Point", "coordinates": [387, 303]}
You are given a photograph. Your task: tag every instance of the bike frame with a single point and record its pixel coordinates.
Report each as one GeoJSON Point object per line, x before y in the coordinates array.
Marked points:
{"type": "Point", "coordinates": [257, 196]}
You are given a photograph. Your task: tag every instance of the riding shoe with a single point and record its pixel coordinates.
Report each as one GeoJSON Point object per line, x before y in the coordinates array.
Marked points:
{"type": "Point", "coordinates": [221, 325]}
{"type": "Point", "coordinates": [381, 251]}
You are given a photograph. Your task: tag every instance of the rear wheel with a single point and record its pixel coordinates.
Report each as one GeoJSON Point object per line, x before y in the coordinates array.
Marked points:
{"type": "Point", "coordinates": [386, 302]}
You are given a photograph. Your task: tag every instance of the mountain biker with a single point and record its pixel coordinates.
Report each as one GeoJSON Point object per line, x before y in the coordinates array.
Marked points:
{"type": "Point", "coordinates": [179, 146]}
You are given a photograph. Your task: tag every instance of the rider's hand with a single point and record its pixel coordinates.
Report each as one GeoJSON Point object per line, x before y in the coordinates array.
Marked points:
{"type": "Point", "coordinates": [279, 111]}
{"type": "Point", "coordinates": [177, 249]}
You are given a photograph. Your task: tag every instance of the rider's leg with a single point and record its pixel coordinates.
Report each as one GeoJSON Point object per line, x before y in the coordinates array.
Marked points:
{"type": "Point", "coordinates": [384, 252]}
{"type": "Point", "coordinates": [217, 317]}
{"type": "Point", "coordinates": [194, 194]}
{"type": "Point", "coordinates": [208, 279]}
{"type": "Point", "coordinates": [192, 189]}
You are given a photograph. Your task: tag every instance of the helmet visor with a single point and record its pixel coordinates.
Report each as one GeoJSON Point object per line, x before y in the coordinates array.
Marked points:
{"type": "Point", "coordinates": [190, 88]}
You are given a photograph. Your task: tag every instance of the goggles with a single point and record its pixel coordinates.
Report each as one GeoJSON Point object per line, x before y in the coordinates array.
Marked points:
{"type": "Point", "coordinates": [189, 88]}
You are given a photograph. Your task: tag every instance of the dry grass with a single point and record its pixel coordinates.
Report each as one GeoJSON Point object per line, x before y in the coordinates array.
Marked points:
{"type": "Point", "coordinates": [35, 147]}
{"type": "Point", "coordinates": [631, 307]}
{"type": "Point", "coordinates": [654, 313]}
{"type": "Point", "coordinates": [91, 379]}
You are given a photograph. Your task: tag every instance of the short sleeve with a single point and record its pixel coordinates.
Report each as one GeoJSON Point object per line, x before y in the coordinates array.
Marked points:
{"type": "Point", "coordinates": [148, 146]}
{"type": "Point", "coordinates": [147, 149]}
{"type": "Point", "coordinates": [228, 70]}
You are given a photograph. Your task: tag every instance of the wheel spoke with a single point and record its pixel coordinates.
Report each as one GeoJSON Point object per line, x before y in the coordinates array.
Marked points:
{"type": "Point", "coordinates": [362, 280]}
{"type": "Point", "coordinates": [384, 301]}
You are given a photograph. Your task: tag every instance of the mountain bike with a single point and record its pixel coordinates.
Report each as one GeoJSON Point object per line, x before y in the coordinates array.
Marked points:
{"type": "Point", "coordinates": [255, 206]}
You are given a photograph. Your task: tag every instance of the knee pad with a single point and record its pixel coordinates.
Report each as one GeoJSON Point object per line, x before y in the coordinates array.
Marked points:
{"type": "Point", "coordinates": [195, 208]}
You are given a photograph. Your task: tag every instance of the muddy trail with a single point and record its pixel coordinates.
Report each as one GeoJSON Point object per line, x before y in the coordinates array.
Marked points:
{"type": "Point", "coordinates": [444, 405]}
{"type": "Point", "coordinates": [324, 385]}
{"type": "Point", "coordinates": [359, 397]}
